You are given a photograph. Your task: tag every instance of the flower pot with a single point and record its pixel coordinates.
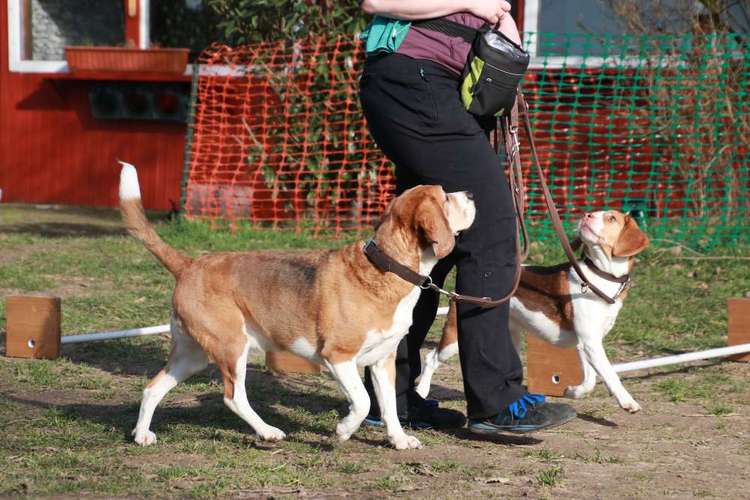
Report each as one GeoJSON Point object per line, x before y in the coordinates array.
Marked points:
{"type": "Point", "coordinates": [126, 59]}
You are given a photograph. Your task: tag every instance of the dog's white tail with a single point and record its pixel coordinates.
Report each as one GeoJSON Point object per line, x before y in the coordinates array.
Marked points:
{"type": "Point", "coordinates": [138, 226]}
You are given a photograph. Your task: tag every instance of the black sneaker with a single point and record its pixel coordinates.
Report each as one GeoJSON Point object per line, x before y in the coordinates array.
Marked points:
{"type": "Point", "coordinates": [534, 417]}
{"type": "Point", "coordinates": [430, 416]}
{"type": "Point", "coordinates": [425, 414]}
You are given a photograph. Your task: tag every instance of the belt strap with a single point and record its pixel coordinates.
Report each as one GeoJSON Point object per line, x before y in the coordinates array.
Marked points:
{"type": "Point", "coordinates": [449, 28]}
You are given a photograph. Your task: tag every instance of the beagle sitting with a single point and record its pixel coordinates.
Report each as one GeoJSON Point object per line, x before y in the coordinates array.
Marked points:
{"type": "Point", "coordinates": [331, 307]}
{"type": "Point", "coordinates": [552, 304]}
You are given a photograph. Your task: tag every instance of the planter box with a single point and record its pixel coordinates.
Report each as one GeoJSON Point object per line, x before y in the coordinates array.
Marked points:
{"type": "Point", "coordinates": [125, 59]}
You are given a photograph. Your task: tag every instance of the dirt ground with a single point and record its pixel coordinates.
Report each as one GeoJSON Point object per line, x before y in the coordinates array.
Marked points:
{"type": "Point", "coordinates": [672, 449]}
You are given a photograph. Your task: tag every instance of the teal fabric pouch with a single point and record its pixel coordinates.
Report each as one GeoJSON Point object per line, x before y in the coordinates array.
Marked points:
{"type": "Point", "coordinates": [384, 34]}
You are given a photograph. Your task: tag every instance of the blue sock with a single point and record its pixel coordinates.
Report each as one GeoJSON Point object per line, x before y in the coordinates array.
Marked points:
{"type": "Point", "coordinates": [518, 407]}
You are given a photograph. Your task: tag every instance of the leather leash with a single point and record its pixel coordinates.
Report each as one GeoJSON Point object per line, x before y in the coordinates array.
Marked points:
{"type": "Point", "coordinates": [552, 208]}
{"type": "Point", "coordinates": [509, 128]}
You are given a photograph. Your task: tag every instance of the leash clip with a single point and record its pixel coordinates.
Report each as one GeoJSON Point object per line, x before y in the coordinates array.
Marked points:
{"type": "Point", "coordinates": [584, 287]}
{"type": "Point", "coordinates": [427, 284]}
{"type": "Point", "coordinates": [623, 288]}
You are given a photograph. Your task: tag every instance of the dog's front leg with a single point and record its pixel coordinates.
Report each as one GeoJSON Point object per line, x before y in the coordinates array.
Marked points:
{"type": "Point", "coordinates": [595, 355]}
{"type": "Point", "coordinates": [347, 375]}
{"type": "Point", "coordinates": [589, 378]}
{"type": "Point", "coordinates": [384, 383]}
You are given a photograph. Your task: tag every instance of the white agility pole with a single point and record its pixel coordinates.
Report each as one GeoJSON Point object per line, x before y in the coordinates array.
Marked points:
{"type": "Point", "coordinates": [642, 364]}
{"type": "Point", "coordinates": [682, 358]}
{"type": "Point", "coordinates": [118, 334]}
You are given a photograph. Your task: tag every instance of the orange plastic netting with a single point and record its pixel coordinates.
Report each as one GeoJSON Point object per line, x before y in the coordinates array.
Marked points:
{"type": "Point", "coordinates": [279, 138]}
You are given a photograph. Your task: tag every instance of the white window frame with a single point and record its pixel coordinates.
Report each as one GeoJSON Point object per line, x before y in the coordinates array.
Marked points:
{"type": "Point", "coordinates": [530, 25]}
{"type": "Point", "coordinates": [16, 26]}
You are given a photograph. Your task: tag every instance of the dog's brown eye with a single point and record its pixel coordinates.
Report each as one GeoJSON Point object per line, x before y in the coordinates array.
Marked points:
{"type": "Point", "coordinates": [612, 218]}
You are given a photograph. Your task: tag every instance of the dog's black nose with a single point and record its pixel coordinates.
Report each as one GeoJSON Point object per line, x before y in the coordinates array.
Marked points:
{"type": "Point", "coordinates": [470, 195]}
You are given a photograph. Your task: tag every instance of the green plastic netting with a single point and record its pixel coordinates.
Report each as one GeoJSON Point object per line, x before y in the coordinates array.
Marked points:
{"type": "Point", "coordinates": [656, 125]}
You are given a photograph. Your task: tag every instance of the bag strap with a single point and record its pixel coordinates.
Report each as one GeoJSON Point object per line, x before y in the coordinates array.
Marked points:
{"type": "Point", "coordinates": [448, 27]}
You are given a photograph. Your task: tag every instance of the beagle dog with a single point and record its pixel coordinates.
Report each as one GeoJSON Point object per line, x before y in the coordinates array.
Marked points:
{"type": "Point", "coordinates": [331, 307]}
{"type": "Point", "coordinates": [552, 304]}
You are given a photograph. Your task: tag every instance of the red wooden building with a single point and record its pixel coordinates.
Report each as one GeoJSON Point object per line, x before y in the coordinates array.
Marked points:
{"type": "Point", "coordinates": [52, 149]}
{"type": "Point", "coordinates": [55, 148]}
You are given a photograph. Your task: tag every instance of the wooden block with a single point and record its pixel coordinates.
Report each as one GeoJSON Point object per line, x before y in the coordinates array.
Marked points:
{"type": "Point", "coordinates": [550, 369]}
{"type": "Point", "coordinates": [32, 326]}
{"type": "Point", "coordinates": [286, 362]}
{"type": "Point", "coordinates": [738, 325]}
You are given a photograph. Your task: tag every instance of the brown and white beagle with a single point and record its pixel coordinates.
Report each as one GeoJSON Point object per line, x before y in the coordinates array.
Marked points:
{"type": "Point", "coordinates": [331, 307]}
{"type": "Point", "coordinates": [551, 304]}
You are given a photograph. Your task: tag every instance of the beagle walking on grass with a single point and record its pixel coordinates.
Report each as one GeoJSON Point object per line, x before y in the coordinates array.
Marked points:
{"type": "Point", "coordinates": [331, 307]}
{"type": "Point", "coordinates": [552, 304]}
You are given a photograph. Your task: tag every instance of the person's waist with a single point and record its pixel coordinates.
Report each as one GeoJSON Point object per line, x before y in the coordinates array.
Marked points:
{"type": "Point", "coordinates": [394, 63]}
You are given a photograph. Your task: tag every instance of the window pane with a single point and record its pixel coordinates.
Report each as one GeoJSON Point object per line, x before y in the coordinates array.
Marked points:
{"type": "Point", "coordinates": [57, 23]}
{"type": "Point", "coordinates": [574, 17]}
{"type": "Point", "coordinates": [188, 24]}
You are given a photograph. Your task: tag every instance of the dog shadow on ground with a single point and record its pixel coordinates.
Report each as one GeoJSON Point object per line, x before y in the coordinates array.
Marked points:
{"type": "Point", "coordinates": [269, 395]}
{"type": "Point", "coordinates": [292, 403]}
{"type": "Point", "coordinates": [142, 357]}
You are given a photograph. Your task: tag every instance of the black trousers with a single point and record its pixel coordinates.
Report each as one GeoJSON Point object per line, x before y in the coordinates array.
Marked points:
{"type": "Point", "coordinates": [414, 114]}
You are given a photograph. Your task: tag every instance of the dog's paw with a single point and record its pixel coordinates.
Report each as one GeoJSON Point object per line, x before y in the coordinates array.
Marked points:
{"type": "Point", "coordinates": [270, 433]}
{"type": "Point", "coordinates": [146, 438]}
{"type": "Point", "coordinates": [575, 392]}
{"type": "Point", "coordinates": [344, 431]}
{"type": "Point", "coordinates": [630, 406]}
{"type": "Point", "coordinates": [405, 442]}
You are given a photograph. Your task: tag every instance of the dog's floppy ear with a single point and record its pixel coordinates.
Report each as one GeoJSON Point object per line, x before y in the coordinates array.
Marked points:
{"type": "Point", "coordinates": [432, 225]}
{"type": "Point", "coordinates": [631, 240]}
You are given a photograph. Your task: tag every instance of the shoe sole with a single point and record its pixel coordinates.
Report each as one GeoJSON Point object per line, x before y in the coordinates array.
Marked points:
{"type": "Point", "coordinates": [520, 429]}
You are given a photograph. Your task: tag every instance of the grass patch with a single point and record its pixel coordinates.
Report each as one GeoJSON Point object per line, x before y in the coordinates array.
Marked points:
{"type": "Point", "coordinates": [352, 468]}
{"type": "Point", "coordinates": [550, 477]}
{"type": "Point", "coordinates": [710, 387]}
{"type": "Point", "coordinates": [446, 465]}
{"type": "Point", "coordinates": [545, 454]}
{"type": "Point", "coordinates": [678, 390]}
{"type": "Point", "coordinates": [72, 417]}
{"type": "Point", "coordinates": [721, 410]}
{"type": "Point", "coordinates": [599, 457]}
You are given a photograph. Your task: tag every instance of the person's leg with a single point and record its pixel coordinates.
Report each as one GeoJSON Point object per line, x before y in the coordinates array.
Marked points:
{"type": "Point", "coordinates": [486, 260]}
{"type": "Point", "coordinates": [414, 114]}
{"type": "Point", "coordinates": [429, 135]}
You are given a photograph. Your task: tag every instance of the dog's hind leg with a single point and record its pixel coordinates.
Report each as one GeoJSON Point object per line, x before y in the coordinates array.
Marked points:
{"type": "Point", "coordinates": [186, 359]}
{"type": "Point", "coordinates": [235, 397]}
{"type": "Point", "coordinates": [446, 349]}
{"type": "Point", "coordinates": [515, 329]}
{"type": "Point", "coordinates": [589, 378]}
{"type": "Point", "coordinates": [384, 383]}
{"type": "Point", "coordinates": [431, 363]}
